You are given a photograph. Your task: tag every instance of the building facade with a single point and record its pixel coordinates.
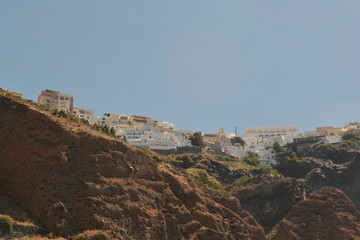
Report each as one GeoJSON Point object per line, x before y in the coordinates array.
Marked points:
{"type": "Point", "coordinates": [56, 100]}
{"type": "Point", "coordinates": [83, 113]}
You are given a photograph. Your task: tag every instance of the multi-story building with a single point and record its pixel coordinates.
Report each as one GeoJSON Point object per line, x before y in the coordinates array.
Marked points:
{"type": "Point", "coordinates": [271, 131]}
{"type": "Point", "coordinates": [57, 100]}
{"type": "Point", "coordinates": [262, 139]}
{"type": "Point", "coordinates": [112, 119]}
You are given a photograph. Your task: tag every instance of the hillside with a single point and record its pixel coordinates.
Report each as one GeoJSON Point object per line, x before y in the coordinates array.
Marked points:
{"type": "Point", "coordinates": [61, 177]}
{"type": "Point", "coordinates": [82, 184]}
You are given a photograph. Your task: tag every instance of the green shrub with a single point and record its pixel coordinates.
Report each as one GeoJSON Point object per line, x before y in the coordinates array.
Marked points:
{"type": "Point", "coordinates": [197, 140]}
{"type": "Point", "coordinates": [201, 166]}
{"type": "Point", "coordinates": [213, 183]}
{"type": "Point", "coordinates": [268, 170]}
{"type": "Point", "coordinates": [252, 158]}
{"type": "Point", "coordinates": [62, 114]}
{"type": "Point", "coordinates": [219, 194]}
{"type": "Point", "coordinates": [349, 136]}
{"type": "Point", "coordinates": [104, 129]}
{"type": "Point", "coordinates": [350, 143]}
{"type": "Point", "coordinates": [242, 180]}
{"type": "Point", "coordinates": [203, 177]}
{"type": "Point", "coordinates": [153, 155]}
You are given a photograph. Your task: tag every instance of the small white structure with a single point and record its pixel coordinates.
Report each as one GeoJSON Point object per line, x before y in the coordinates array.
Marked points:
{"type": "Point", "coordinates": [333, 139]}
{"type": "Point", "coordinates": [83, 113]}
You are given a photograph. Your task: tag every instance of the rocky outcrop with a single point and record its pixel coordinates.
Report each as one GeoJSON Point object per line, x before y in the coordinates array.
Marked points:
{"type": "Point", "coordinates": [300, 168]}
{"type": "Point", "coordinates": [19, 230]}
{"type": "Point", "coordinates": [326, 214]}
{"type": "Point", "coordinates": [223, 173]}
{"type": "Point", "coordinates": [338, 153]}
{"type": "Point", "coordinates": [336, 165]}
{"type": "Point", "coordinates": [269, 199]}
{"type": "Point", "coordinates": [342, 176]}
{"type": "Point", "coordinates": [83, 184]}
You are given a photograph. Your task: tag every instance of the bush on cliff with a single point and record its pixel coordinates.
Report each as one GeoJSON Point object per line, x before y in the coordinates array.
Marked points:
{"type": "Point", "coordinates": [104, 129]}
{"type": "Point", "coordinates": [349, 136]}
{"type": "Point", "coordinates": [197, 140]}
{"type": "Point", "coordinates": [242, 180]}
{"type": "Point", "coordinates": [252, 158]}
{"type": "Point", "coordinates": [203, 177]}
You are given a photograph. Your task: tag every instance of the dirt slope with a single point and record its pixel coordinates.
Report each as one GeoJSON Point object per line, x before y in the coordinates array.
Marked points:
{"type": "Point", "coordinates": [84, 185]}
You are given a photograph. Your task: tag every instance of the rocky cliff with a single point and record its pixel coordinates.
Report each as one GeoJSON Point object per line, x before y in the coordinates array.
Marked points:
{"type": "Point", "coordinates": [336, 165]}
{"type": "Point", "coordinates": [269, 199]}
{"type": "Point", "coordinates": [326, 214]}
{"type": "Point", "coordinates": [84, 185]}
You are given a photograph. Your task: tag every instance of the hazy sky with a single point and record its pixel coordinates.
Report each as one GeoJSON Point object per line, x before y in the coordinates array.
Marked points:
{"type": "Point", "coordinates": [201, 65]}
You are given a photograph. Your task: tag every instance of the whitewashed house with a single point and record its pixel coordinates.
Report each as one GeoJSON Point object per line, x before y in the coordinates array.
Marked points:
{"type": "Point", "coordinates": [142, 131]}
{"type": "Point", "coordinates": [83, 113]}
{"type": "Point", "coordinates": [261, 140]}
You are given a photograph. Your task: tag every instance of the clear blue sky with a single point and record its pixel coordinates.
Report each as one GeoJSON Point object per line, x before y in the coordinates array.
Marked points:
{"type": "Point", "coordinates": [198, 64]}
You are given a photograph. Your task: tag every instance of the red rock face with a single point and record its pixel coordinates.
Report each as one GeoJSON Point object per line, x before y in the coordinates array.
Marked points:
{"type": "Point", "coordinates": [82, 184]}
{"type": "Point", "coordinates": [326, 214]}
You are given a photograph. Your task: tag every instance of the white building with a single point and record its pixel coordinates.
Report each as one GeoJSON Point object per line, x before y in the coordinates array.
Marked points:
{"type": "Point", "coordinates": [112, 119]}
{"type": "Point", "coordinates": [141, 131]}
{"type": "Point", "coordinates": [83, 113]}
{"type": "Point", "coordinates": [271, 131]}
{"type": "Point", "coordinates": [262, 139]}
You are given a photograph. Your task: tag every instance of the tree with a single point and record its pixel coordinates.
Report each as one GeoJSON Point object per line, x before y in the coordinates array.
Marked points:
{"type": "Point", "coordinates": [277, 148]}
{"type": "Point", "coordinates": [237, 140]}
{"type": "Point", "coordinates": [252, 158]}
{"type": "Point", "coordinates": [197, 139]}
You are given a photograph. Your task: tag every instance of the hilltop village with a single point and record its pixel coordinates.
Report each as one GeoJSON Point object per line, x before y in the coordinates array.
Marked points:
{"type": "Point", "coordinates": [144, 131]}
